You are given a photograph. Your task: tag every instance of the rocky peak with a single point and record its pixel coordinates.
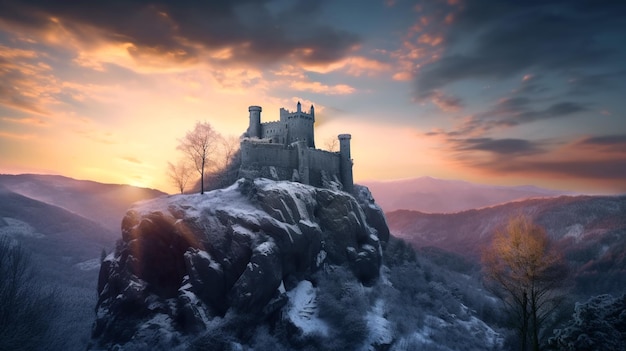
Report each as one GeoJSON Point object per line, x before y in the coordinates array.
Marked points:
{"type": "Point", "coordinates": [186, 259]}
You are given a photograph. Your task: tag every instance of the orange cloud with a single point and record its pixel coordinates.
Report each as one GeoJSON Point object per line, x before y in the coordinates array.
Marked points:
{"type": "Point", "coordinates": [352, 65]}
{"type": "Point", "coordinates": [432, 40]}
{"type": "Point", "coordinates": [31, 121]}
{"type": "Point", "coordinates": [20, 136]}
{"type": "Point", "coordinates": [317, 87]}
{"type": "Point", "coordinates": [446, 103]}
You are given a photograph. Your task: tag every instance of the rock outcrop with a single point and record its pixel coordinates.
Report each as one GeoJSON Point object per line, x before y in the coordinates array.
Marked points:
{"type": "Point", "coordinates": [186, 259]}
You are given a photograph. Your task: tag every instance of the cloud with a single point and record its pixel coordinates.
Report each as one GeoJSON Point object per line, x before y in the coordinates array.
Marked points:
{"type": "Point", "coordinates": [499, 40]}
{"type": "Point", "coordinates": [506, 113]}
{"type": "Point", "coordinates": [609, 144]}
{"type": "Point", "coordinates": [445, 102]}
{"type": "Point", "coordinates": [499, 146]}
{"type": "Point", "coordinates": [18, 136]}
{"type": "Point", "coordinates": [250, 32]}
{"type": "Point", "coordinates": [131, 159]}
{"type": "Point", "coordinates": [26, 82]}
{"type": "Point", "coordinates": [30, 121]}
{"type": "Point", "coordinates": [352, 65]}
{"type": "Point", "coordinates": [96, 136]}
{"type": "Point", "coordinates": [600, 158]}
{"type": "Point", "coordinates": [317, 87]}
{"type": "Point", "coordinates": [520, 110]}
{"type": "Point", "coordinates": [609, 169]}
{"type": "Point", "coordinates": [608, 140]}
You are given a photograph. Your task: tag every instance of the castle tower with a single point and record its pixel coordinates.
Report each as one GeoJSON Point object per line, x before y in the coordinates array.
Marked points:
{"type": "Point", "coordinates": [345, 163]}
{"type": "Point", "coordinates": [254, 129]}
{"type": "Point", "coordinates": [299, 125]}
{"type": "Point", "coordinates": [312, 112]}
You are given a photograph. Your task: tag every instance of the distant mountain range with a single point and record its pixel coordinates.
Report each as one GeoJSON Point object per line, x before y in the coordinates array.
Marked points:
{"type": "Point", "coordinates": [432, 195]}
{"type": "Point", "coordinates": [589, 230]}
{"type": "Point", "coordinates": [103, 203]}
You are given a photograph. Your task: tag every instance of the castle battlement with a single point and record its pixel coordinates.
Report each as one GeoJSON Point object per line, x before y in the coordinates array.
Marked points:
{"type": "Point", "coordinates": [285, 150]}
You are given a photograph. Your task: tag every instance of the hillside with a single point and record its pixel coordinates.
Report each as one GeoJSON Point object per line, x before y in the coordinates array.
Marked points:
{"type": "Point", "coordinates": [432, 195]}
{"type": "Point", "coordinates": [590, 231]}
{"type": "Point", "coordinates": [103, 203]}
{"type": "Point", "coordinates": [65, 250]}
{"type": "Point", "coordinates": [64, 225]}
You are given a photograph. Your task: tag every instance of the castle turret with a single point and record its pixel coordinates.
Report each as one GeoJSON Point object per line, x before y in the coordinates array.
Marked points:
{"type": "Point", "coordinates": [345, 162]}
{"type": "Point", "coordinates": [312, 112]}
{"type": "Point", "coordinates": [299, 107]}
{"type": "Point", "coordinates": [254, 129]}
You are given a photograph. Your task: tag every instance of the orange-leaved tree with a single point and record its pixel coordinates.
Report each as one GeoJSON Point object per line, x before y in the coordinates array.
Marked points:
{"type": "Point", "coordinates": [523, 269]}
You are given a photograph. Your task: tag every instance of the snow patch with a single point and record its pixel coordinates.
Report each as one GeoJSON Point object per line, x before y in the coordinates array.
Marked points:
{"type": "Point", "coordinates": [88, 265]}
{"type": "Point", "coordinates": [479, 328]}
{"type": "Point", "coordinates": [575, 231]}
{"type": "Point", "coordinates": [302, 309]}
{"type": "Point", "coordinates": [266, 248]}
{"type": "Point", "coordinates": [320, 258]}
{"type": "Point", "coordinates": [15, 227]}
{"type": "Point", "coordinates": [212, 263]}
{"type": "Point", "coordinates": [380, 330]}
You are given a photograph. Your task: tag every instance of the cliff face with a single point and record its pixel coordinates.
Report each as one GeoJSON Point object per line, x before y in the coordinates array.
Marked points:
{"type": "Point", "coordinates": [184, 260]}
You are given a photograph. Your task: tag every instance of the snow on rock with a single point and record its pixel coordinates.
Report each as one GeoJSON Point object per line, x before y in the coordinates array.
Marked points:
{"type": "Point", "coordinates": [302, 309]}
{"type": "Point", "coordinates": [231, 249]}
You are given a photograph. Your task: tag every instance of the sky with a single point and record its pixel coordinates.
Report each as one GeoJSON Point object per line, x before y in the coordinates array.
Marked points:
{"type": "Point", "coordinates": [501, 92]}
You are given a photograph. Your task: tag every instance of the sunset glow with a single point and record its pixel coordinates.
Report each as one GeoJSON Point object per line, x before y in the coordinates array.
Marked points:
{"type": "Point", "coordinates": [507, 94]}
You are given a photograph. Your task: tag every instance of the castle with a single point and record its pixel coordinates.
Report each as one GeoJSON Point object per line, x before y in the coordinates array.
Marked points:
{"type": "Point", "coordinates": [285, 150]}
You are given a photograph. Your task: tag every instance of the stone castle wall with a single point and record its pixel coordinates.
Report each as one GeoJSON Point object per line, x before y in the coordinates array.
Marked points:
{"type": "Point", "coordinates": [277, 161]}
{"type": "Point", "coordinates": [274, 131]}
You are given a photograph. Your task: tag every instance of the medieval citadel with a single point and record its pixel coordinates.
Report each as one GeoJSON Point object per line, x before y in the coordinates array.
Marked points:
{"type": "Point", "coordinates": [285, 150]}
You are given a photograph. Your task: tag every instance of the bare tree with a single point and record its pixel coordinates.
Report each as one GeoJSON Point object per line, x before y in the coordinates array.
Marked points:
{"type": "Point", "coordinates": [527, 274]}
{"type": "Point", "coordinates": [229, 159]}
{"type": "Point", "coordinates": [179, 174]}
{"type": "Point", "coordinates": [25, 307]}
{"type": "Point", "coordinates": [200, 146]}
{"type": "Point", "coordinates": [331, 144]}
{"type": "Point", "coordinates": [229, 147]}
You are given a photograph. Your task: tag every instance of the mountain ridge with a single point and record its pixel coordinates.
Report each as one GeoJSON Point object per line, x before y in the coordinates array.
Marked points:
{"type": "Point", "coordinates": [589, 230]}
{"type": "Point", "coordinates": [105, 203]}
{"type": "Point", "coordinates": [432, 195]}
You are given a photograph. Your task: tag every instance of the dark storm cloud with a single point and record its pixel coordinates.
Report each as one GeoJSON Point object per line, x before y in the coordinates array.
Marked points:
{"type": "Point", "coordinates": [512, 112]}
{"type": "Point", "coordinates": [496, 39]}
{"type": "Point", "coordinates": [255, 30]}
{"type": "Point", "coordinates": [598, 157]}
{"type": "Point", "coordinates": [583, 84]}
{"type": "Point", "coordinates": [606, 140]}
{"type": "Point", "coordinates": [609, 143]}
{"type": "Point", "coordinates": [498, 146]}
